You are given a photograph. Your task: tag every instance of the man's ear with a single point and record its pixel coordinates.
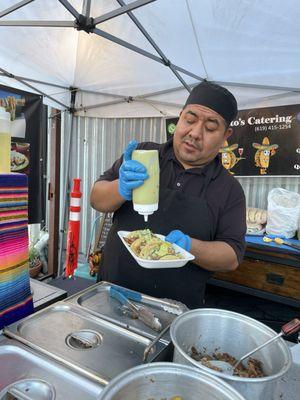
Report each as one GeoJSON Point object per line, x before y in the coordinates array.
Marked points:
{"type": "Point", "coordinates": [228, 133]}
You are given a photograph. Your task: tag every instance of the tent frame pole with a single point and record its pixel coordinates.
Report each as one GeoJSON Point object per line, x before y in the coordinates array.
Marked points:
{"type": "Point", "coordinates": [37, 81]}
{"type": "Point", "coordinates": [66, 185]}
{"type": "Point", "coordinates": [109, 103]}
{"type": "Point", "coordinates": [129, 46]}
{"type": "Point", "coordinates": [163, 103]}
{"type": "Point", "coordinates": [145, 53]}
{"type": "Point", "coordinates": [70, 8]}
{"type": "Point", "coordinates": [122, 10]}
{"type": "Point", "coordinates": [84, 22]}
{"type": "Point", "coordinates": [257, 86]}
{"type": "Point", "coordinates": [155, 46]}
{"type": "Point", "coordinates": [117, 96]}
{"type": "Point", "coordinates": [15, 7]}
{"type": "Point", "coordinates": [127, 100]}
{"type": "Point", "coordinates": [86, 8]}
{"type": "Point", "coordinates": [53, 192]}
{"type": "Point", "coordinates": [36, 23]}
{"type": "Point", "coordinates": [7, 74]}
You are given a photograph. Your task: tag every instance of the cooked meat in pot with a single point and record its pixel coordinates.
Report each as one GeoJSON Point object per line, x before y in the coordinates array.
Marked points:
{"type": "Point", "coordinates": [253, 369]}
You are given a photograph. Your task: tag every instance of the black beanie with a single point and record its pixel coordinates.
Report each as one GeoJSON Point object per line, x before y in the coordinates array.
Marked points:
{"type": "Point", "coordinates": [215, 97]}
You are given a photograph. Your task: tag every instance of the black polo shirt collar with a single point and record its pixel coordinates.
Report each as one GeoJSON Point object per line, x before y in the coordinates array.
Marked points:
{"type": "Point", "coordinates": [168, 152]}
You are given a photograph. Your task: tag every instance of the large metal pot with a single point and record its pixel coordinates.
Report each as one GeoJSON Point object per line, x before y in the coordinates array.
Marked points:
{"type": "Point", "coordinates": [166, 381]}
{"type": "Point", "coordinates": [209, 329]}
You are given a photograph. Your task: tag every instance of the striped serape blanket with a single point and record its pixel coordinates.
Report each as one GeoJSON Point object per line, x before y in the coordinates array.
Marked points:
{"type": "Point", "coordinates": [15, 295]}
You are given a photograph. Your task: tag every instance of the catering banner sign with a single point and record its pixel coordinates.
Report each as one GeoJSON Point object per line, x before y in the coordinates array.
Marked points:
{"type": "Point", "coordinates": [26, 144]}
{"type": "Point", "coordinates": [264, 142]}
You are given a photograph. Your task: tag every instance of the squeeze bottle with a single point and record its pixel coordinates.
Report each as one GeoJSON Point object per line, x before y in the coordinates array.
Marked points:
{"type": "Point", "coordinates": [5, 141]}
{"type": "Point", "coordinates": [145, 197]}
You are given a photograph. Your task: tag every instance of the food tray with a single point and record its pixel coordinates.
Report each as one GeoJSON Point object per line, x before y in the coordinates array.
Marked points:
{"type": "Point", "coordinates": [96, 300]}
{"type": "Point", "coordinates": [155, 264]}
{"type": "Point", "coordinates": [23, 369]}
{"type": "Point", "coordinates": [91, 346]}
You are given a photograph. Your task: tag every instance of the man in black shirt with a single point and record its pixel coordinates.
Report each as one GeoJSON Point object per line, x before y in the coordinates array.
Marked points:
{"type": "Point", "coordinates": [201, 206]}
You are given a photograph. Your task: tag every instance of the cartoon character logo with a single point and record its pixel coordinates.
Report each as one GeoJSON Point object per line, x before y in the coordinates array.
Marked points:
{"type": "Point", "coordinates": [263, 154]}
{"type": "Point", "coordinates": [229, 159]}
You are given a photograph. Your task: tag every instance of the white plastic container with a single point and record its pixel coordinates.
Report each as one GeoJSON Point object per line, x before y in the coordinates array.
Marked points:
{"type": "Point", "coordinates": [154, 264]}
{"type": "Point", "coordinates": [5, 141]}
{"type": "Point", "coordinates": [145, 197]}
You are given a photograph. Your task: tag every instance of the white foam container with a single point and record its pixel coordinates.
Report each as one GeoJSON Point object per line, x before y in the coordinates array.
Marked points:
{"type": "Point", "coordinates": [154, 264]}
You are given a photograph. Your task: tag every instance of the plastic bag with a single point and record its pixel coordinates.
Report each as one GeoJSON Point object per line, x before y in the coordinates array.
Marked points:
{"type": "Point", "coordinates": [283, 212]}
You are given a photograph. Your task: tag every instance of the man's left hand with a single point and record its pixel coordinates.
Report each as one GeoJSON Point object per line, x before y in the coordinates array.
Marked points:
{"type": "Point", "coordinates": [180, 239]}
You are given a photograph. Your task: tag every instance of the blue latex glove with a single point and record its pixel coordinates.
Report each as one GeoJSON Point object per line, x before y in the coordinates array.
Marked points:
{"type": "Point", "coordinates": [180, 239]}
{"type": "Point", "coordinates": [131, 173]}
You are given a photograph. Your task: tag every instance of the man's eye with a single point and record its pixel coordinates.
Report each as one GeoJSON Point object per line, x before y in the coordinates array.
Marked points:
{"type": "Point", "coordinates": [210, 127]}
{"type": "Point", "coordinates": [190, 121]}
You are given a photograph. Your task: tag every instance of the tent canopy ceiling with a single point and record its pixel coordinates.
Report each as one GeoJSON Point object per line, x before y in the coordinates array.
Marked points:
{"type": "Point", "coordinates": [142, 56]}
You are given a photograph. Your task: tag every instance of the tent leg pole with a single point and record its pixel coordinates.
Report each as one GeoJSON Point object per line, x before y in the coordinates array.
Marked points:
{"type": "Point", "coordinates": [53, 192]}
{"type": "Point", "coordinates": [64, 205]}
{"type": "Point", "coordinates": [65, 202]}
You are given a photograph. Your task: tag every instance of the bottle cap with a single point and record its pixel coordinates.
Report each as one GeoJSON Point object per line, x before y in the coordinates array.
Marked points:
{"type": "Point", "coordinates": [145, 209]}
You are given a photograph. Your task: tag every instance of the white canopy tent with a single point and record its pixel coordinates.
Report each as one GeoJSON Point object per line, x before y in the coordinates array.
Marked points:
{"type": "Point", "coordinates": [138, 58]}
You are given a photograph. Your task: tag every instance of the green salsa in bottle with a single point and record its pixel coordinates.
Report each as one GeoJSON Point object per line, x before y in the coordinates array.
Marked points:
{"type": "Point", "coordinates": [145, 197]}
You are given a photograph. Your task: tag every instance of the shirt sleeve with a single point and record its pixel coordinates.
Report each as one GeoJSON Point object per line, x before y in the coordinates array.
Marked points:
{"type": "Point", "coordinates": [232, 221]}
{"type": "Point", "coordinates": [112, 173]}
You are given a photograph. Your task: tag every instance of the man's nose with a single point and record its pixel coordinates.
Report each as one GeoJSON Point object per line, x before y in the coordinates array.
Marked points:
{"type": "Point", "coordinates": [196, 130]}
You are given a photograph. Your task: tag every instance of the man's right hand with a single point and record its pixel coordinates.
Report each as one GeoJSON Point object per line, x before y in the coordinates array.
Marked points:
{"type": "Point", "coordinates": [132, 174]}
